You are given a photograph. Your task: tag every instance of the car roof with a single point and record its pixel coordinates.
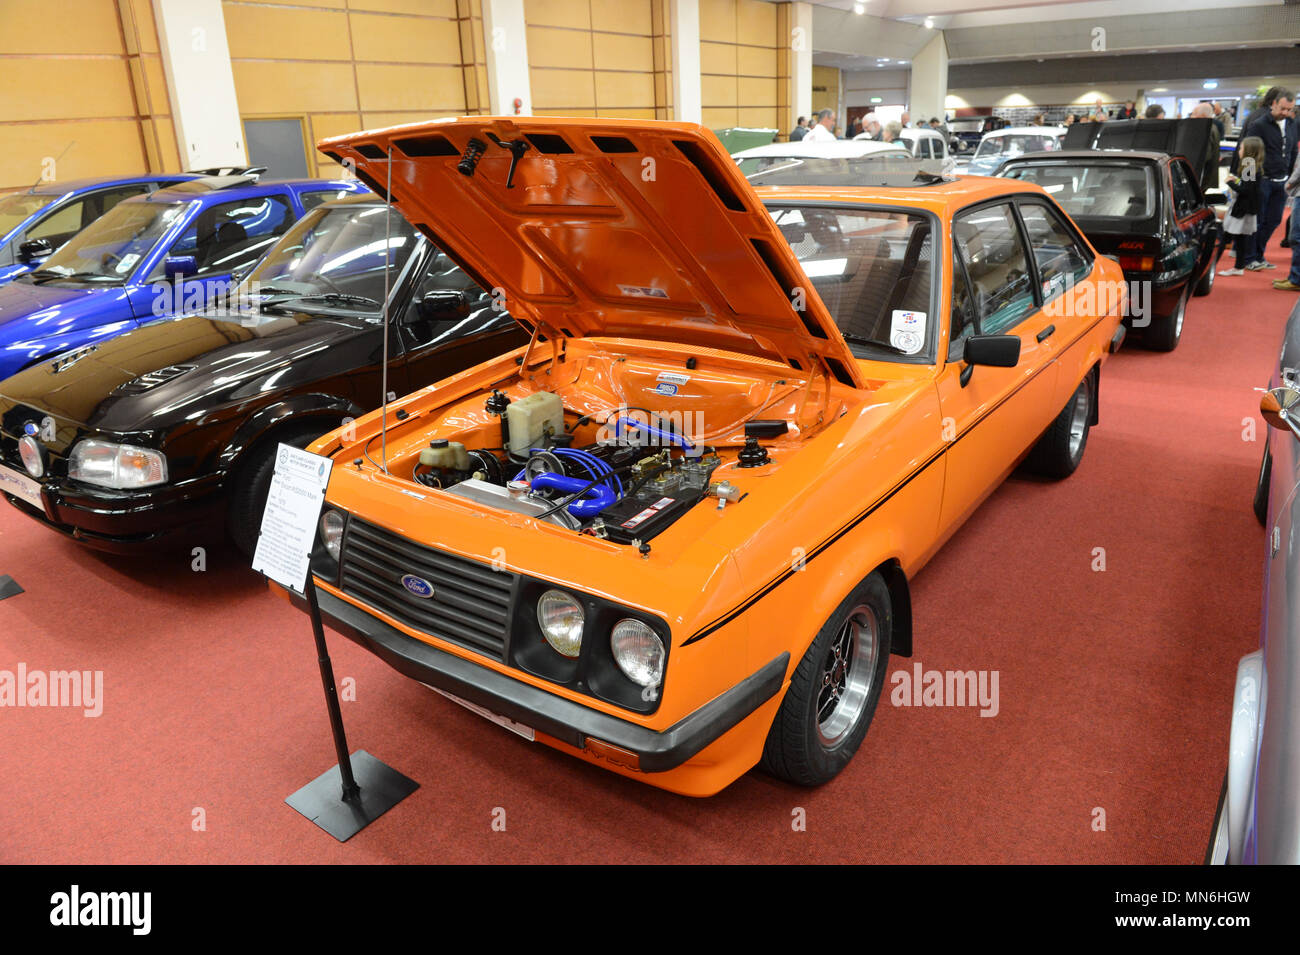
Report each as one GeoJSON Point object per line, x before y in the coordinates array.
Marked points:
{"type": "Point", "coordinates": [237, 187]}
{"type": "Point", "coordinates": [837, 149]}
{"type": "Point", "coordinates": [1105, 155]}
{"type": "Point", "coordinates": [60, 187]}
{"type": "Point", "coordinates": [1025, 130]}
{"type": "Point", "coordinates": [942, 198]}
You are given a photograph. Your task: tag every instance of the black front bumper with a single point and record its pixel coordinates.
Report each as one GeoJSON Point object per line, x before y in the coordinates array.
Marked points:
{"type": "Point", "coordinates": [168, 517]}
{"type": "Point", "coordinates": [563, 719]}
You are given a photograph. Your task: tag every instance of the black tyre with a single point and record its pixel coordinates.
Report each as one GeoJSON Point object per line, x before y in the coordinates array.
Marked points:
{"type": "Point", "coordinates": [1261, 488]}
{"type": "Point", "coordinates": [251, 480]}
{"type": "Point", "coordinates": [1207, 280]}
{"type": "Point", "coordinates": [1060, 449]}
{"type": "Point", "coordinates": [834, 690]}
{"type": "Point", "coordinates": [1166, 331]}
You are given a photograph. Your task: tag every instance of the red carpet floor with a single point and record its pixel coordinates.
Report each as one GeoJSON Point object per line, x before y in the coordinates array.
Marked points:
{"type": "Point", "coordinates": [1115, 686]}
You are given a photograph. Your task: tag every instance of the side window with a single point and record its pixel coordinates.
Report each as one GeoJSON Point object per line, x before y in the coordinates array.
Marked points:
{"type": "Point", "coordinates": [1061, 260]}
{"type": "Point", "coordinates": [963, 322]}
{"type": "Point", "coordinates": [310, 200]}
{"type": "Point", "coordinates": [60, 226]}
{"type": "Point", "coordinates": [1184, 195]}
{"type": "Point", "coordinates": [442, 274]}
{"type": "Point", "coordinates": [989, 243]}
{"type": "Point", "coordinates": [101, 202]}
{"type": "Point", "coordinates": [231, 235]}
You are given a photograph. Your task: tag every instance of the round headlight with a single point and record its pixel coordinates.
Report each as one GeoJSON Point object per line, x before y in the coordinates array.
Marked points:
{"type": "Point", "coordinates": [638, 651]}
{"type": "Point", "coordinates": [33, 460]}
{"type": "Point", "coordinates": [331, 532]}
{"type": "Point", "coordinates": [561, 618]}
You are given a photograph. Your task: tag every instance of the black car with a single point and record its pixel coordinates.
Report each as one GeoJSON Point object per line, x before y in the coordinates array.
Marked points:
{"type": "Point", "coordinates": [148, 439]}
{"type": "Point", "coordinates": [1142, 207]}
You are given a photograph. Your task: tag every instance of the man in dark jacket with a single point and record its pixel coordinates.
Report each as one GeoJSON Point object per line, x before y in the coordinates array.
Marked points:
{"type": "Point", "coordinates": [1209, 169]}
{"type": "Point", "coordinates": [800, 130]}
{"type": "Point", "coordinates": [1278, 132]}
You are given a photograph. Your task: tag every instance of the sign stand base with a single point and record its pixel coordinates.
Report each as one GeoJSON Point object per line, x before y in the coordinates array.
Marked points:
{"type": "Point", "coordinates": [380, 788]}
{"type": "Point", "coordinates": [358, 790]}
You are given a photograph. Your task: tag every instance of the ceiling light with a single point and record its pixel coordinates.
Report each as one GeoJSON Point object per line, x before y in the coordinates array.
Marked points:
{"type": "Point", "coordinates": [929, 23]}
{"type": "Point", "coordinates": [859, 8]}
{"type": "Point", "coordinates": [1210, 85]}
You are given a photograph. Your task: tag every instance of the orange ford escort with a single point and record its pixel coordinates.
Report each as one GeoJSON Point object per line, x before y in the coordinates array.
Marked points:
{"type": "Point", "coordinates": [674, 534]}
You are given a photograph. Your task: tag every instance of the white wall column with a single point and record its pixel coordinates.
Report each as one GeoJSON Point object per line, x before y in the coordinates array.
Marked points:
{"type": "Point", "coordinates": [801, 63]}
{"type": "Point", "coordinates": [688, 100]}
{"type": "Point", "coordinates": [506, 39]}
{"type": "Point", "coordinates": [929, 86]}
{"type": "Point", "coordinates": [200, 82]}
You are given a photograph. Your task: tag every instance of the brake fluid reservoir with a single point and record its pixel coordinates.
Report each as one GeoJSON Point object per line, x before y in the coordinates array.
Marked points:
{"type": "Point", "coordinates": [531, 419]}
{"type": "Point", "coordinates": [450, 455]}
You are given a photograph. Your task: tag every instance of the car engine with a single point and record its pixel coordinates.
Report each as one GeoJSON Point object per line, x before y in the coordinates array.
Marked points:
{"type": "Point", "coordinates": [629, 485]}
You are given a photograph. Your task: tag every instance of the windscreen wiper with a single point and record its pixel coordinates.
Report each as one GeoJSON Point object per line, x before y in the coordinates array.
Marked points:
{"type": "Point", "coordinates": [47, 275]}
{"type": "Point", "coordinates": [343, 298]}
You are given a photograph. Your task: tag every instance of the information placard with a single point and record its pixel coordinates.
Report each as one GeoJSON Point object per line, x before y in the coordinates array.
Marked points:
{"type": "Point", "coordinates": [289, 520]}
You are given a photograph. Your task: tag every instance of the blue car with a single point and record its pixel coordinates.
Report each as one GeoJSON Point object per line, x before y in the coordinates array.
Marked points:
{"type": "Point", "coordinates": [36, 221]}
{"type": "Point", "coordinates": [149, 257]}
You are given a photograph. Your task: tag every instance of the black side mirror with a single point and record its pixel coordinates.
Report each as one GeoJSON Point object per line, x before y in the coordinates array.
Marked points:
{"type": "Point", "coordinates": [999, 351]}
{"type": "Point", "coordinates": [442, 305]}
{"type": "Point", "coordinates": [35, 250]}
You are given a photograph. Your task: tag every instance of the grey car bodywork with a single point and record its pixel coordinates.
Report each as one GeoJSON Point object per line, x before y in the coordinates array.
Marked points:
{"type": "Point", "coordinates": [1259, 819]}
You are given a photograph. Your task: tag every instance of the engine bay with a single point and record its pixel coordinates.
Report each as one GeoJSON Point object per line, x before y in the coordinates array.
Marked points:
{"type": "Point", "coordinates": [633, 481]}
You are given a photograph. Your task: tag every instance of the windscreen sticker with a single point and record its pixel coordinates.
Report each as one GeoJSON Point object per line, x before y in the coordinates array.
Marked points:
{"type": "Point", "coordinates": [673, 377]}
{"type": "Point", "coordinates": [907, 331]}
{"type": "Point", "coordinates": [665, 388]}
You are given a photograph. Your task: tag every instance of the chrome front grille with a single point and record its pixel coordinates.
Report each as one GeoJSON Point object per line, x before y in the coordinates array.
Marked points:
{"type": "Point", "coordinates": [470, 605]}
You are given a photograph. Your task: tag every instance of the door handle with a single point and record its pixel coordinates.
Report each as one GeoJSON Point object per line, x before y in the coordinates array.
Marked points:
{"type": "Point", "coordinates": [1046, 333]}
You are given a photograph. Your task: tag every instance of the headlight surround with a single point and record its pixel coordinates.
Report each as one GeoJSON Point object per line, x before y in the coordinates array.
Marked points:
{"type": "Point", "coordinates": [561, 619]}
{"type": "Point", "coordinates": [331, 532]}
{"type": "Point", "coordinates": [638, 651]}
{"type": "Point", "coordinates": [121, 466]}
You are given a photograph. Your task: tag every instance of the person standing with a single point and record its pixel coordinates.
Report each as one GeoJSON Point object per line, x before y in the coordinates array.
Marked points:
{"type": "Point", "coordinates": [800, 130]}
{"type": "Point", "coordinates": [1292, 282]}
{"type": "Point", "coordinates": [1278, 133]}
{"type": "Point", "coordinates": [1241, 220]}
{"type": "Point", "coordinates": [1209, 169]}
{"type": "Point", "coordinates": [1220, 119]}
{"type": "Point", "coordinates": [822, 130]}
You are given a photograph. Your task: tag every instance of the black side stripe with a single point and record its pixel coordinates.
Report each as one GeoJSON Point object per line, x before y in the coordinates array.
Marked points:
{"type": "Point", "coordinates": [871, 509]}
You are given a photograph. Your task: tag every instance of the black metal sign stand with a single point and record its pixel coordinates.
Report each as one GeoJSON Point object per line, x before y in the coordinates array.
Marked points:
{"type": "Point", "coordinates": [9, 587]}
{"type": "Point", "coordinates": [345, 799]}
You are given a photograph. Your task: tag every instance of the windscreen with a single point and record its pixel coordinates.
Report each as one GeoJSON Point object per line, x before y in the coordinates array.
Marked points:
{"type": "Point", "coordinates": [337, 251]}
{"type": "Point", "coordinates": [873, 269]}
{"type": "Point", "coordinates": [1089, 190]}
{"type": "Point", "coordinates": [110, 248]}
{"type": "Point", "coordinates": [17, 206]}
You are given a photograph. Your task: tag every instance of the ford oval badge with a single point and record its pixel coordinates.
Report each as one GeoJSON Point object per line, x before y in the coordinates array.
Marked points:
{"type": "Point", "coordinates": [417, 586]}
